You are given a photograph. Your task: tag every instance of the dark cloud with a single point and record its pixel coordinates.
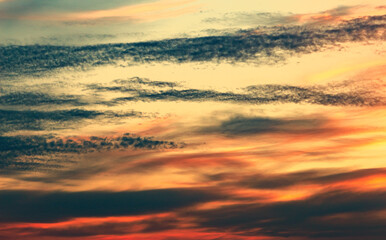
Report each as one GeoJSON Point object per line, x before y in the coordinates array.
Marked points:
{"type": "Point", "coordinates": [35, 206]}
{"type": "Point", "coordinates": [185, 95]}
{"type": "Point", "coordinates": [322, 215]}
{"type": "Point", "coordinates": [11, 120]}
{"type": "Point", "coordinates": [318, 94]}
{"type": "Point", "coordinates": [259, 94]}
{"type": "Point", "coordinates": [14, 150]}
{"type": "Point", "coordinates": [241, 125]}
{"type": "Point", "coordinates": [59, 115]}
{"type": "Point", "coordinates": [143, 89]}
{"type": "Point", "coordinates": [134, 85]}
{"type": "Point", "coordinates": [36, 99]}
{"type": "Point", "coordinates": [241, 47]}
{"type": "Point", "coordinates": [277, 181]}
{"type": "Point", "coordinates": [146, 82]}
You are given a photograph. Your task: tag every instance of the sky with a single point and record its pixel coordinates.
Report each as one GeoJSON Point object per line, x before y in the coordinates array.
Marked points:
{"type": "Point", "coordinates": [192, 119]}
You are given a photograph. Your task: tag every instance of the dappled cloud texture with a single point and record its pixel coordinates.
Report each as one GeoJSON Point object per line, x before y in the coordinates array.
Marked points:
{"type": "Point", "coordinates": [192, 119]}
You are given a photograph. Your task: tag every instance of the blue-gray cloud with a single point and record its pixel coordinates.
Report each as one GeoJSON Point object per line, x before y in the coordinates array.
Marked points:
{"type": "Point", "coordinates": [241, 47]}
{"type": "Point", "coordinates": [244, 126]}
{"type": "Point", "coordinates": [37, 99]}
{"type": "Point", "coordinates": [13, 120]}
{"type": "Point", "coordinates": [14, 150]}
{"type": "Point", "coordinates": [315, 217]}
{"type": "Point", "coordinates": [256, 94]}
{"type": "Point", "coordinates": [35, 206]}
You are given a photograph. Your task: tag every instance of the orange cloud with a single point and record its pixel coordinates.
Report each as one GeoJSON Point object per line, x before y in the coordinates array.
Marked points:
{"type": "Point", "coordinates": [337, 15]}
{"type": "Point", "coordinates": [81, 227]}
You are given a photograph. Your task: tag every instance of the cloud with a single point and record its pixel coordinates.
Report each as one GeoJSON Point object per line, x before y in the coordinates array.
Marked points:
{"type": "Point", "coordinates": [318, 94]}
{"type": "Point", "coordinates": [285, 180]}
{"type": "Point", "coordinates": [248, 18]}
{"type": "Point", "coordinates": [36, 99]}
{"type": "Point", "coordinates": [315, 217]}
{"type": "Point", "coordinates": [111, 228]}
{"type": "Point", "coordinates": [188, 160]}
{"type": "Point", "coordinates": [355, 93]}
{"type": "Point", "coordinates": [267, 47]}
{"type": "Point", "coordinates": [330, 16]}
{"type": "Point", "coordinates": [241, 125]}
{"type": "Point", "coordinates": [40, 206]}
{"type": "Point", "coordinates": [14, 150]}
{"type": "Point", "coordinates": [244, 19]}
{"type": "Point", "coordinates": [40, 120]}
{"type": "Point", "coordinates": [257, 94]}
{"type": "Point", "coordinates": [19, 8]}
{"type": "Point", "coordinates": [137, 11]}
{"type": "Point", "coordinates": [133, 85]}
{"type": "Point", "coordinates": [12, 120]}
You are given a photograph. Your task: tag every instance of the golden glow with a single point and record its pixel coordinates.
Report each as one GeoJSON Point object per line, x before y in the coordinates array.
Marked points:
{"type": "Point", "coordinates": [332, 73]}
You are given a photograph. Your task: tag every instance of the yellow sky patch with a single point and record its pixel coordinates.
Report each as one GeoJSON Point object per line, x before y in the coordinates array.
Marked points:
{"type": "Point", "coordinates": [341, 70]}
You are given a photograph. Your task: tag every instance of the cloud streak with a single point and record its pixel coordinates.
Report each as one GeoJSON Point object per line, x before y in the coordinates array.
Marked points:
{"type": "Point", "coordinates": [244, 126]}
{"type": "Point", "coordinates": [15, 150]}
{"type": "Point", "coordinates": [247, 46]}
{"type": "Point", "coordinates": [37, 99]}
{"type": "Point", "coordinates": [304, 218]}
{"type": "Point", "coordinates": [35, 206]}
{"type": "Point", "coordinates": [135, 12]}
{"type": "Point", "coordinates": [192, 138]}
{"type": "Point", "coordinates": [257, 94]}
{"type": "Point", "coordinates": [12, 120]}
{"type": "Point", "coordinates": [325, 178]}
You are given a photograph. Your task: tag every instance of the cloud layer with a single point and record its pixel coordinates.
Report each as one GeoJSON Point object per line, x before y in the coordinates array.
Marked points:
{"type": "Point", "coordinates": [270, 127]}
{"type": "Point", "coordinates": [56, 206]}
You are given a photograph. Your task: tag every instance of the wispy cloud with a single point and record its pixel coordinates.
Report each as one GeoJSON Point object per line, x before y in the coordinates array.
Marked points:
{"type": "Point", "coordinates": [151, 224]}
{"type": "Point", "coordinates": [16, 150]}
{"type": "Point", "coordinates": [257, 94]}
{"type": "Point", "coordinates": [134, 12]}
{"type": "Point", "coordinates": [133, 85]}
{"type": "Point", "coordinates": [39, 120]}
{"type": "Point", "coordinates": [38, 99]}
{"type": "Point", "coordinates": [247, 46]}
{"type": "Point", "coordinates": [272, 130]}
{"type": "Point", "coordinates": [12, 120]}
{"type": "Point", "coordinates": [325, 178]}
{"type": "Point", "coordinates": [331, 16]}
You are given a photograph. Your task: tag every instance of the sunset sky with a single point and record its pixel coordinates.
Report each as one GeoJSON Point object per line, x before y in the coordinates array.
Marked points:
{"type": "Point", "coordinates": [192, 119]}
